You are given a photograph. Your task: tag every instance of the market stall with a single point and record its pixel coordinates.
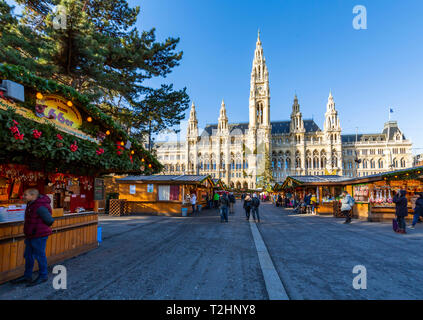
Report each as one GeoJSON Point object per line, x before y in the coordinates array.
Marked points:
{"type": "Point", "coordinates": [327, 190]}
{"type": "Point", "coordinates": [164, 194]}
{"type": "Point", "coordinates": [373, 194]}
{"type": "Point", "coordinates": [54, 140]}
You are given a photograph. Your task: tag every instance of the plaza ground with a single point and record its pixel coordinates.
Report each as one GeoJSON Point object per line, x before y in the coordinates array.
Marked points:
{"type": "Point", "coordinates": [157, 257]}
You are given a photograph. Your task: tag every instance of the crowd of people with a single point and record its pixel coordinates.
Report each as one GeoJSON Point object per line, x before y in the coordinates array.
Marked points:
{"type": "Point", "coordinates": [305, 204]}
{"type": "Point", "coordinates": [309, 202]}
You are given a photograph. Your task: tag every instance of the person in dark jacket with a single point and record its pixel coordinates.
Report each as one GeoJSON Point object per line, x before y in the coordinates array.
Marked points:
{"type": "Point", "coordinates": [247, 206]}
{"type": "Point", "coordinates": [231, 203]}
{"type": "Point", "coordinates": [224, 204]}
{"type": "Point", "coordinates": [401, 209]}
{"type": "Point", "coordinates": [418, 210]}
{"type": "Point", "coordinates": [255, 203]}
{"type": "Point", "coordinates": [279, 201]}
{"type": "Point", "coordinates": [38, 219]}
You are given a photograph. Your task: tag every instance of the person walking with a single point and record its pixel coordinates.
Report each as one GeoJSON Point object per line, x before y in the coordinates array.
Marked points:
{"type": "Point", "coordinates": [418, 210]}
{"type": "Point", "coordinates": [193, 200]}
{"type": "Point", "coordinates": [224, 204]}
{"type": "Point", "coordinates": [255, 203]}
{"type": "Point", "coordinates": [38, 219]}
{"type": "Point", "coordinates": [401, 209]}
{"type": "Point", "coordinates": [231, 203]}
{"type": "Point", "coordinates": [347, 204]}
{"type": "Point", "coordinates": [247, 207]}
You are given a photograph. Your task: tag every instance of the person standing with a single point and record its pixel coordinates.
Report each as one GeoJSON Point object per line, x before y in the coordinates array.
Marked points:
{"type": "Point", "coordinates": [193, 200]}
{"type": "Point", "coordinates": [307, 201]}
{"type": "Point", "coordinates": [231, 203]}
{"type": "Point", "coordinates": [313, 202]}
{"type": "Point", "coordinates": [38, 219]}
{"type": "Point", "coordinates": [224, 204]}
{"type": "Point", "coordinates": [216, 198]}
{"type": "Point", "coordinates": [347, 204]}
{"type": "Point", "coordinates": [418, 210]}
{"type": "Point", "coordinates": [255, 203]}
{"type": "Point", "coordinates": [401, 209]}
{"type": "Point", "coordinates": [247, 207]}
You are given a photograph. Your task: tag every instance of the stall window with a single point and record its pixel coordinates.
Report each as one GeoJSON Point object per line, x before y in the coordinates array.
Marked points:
{"type": "Point", "coordinates": [168, 193]}
{"type": "Point", "coordinates": [164, 193]}
{"type": "Point", "coordinates": [174, 193]}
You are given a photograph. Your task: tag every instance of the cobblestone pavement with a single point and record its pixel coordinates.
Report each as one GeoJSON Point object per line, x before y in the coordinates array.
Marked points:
{"type": "Point", "coordinates": [155, 257]}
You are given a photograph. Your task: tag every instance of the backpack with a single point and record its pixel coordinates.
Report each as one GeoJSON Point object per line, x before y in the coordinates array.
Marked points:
{"type": "Point", "coordinates": [256, 202]}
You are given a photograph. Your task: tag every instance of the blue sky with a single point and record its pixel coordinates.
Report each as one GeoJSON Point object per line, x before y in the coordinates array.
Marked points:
{"type": "Point", "coordinates": [310, 48]}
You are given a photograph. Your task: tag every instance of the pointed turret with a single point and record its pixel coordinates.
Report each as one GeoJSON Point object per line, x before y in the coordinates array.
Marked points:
{"type": "Point", "coordinates": [192, 122]}
{"type": "Point", "coordinates": [297, 123]}
{"type": "Point", "coordinates": [222, 125]}
{"type": "Point", "coordinates": [331, 115]}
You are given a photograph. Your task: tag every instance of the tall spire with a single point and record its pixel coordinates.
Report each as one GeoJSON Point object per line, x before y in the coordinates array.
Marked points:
{"type": "Point", "coordinates": [192, 122]}
{"type": "Point", "coordinates": [297, 123]}
{"type": "Point", "coordinates": [331, 115]}
{"type": "Point", "coordinates": [259, 89]}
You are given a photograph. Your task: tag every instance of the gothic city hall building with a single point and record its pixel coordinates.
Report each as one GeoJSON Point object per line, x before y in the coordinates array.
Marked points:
{"type": "Point", "coordinates": [241, 153]}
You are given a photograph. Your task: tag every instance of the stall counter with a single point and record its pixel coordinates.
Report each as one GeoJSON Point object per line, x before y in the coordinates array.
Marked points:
{"type": "Point", "coordinates": [73, 234]}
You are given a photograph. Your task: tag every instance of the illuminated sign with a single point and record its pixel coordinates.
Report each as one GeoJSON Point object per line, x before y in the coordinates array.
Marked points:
{"type": "Point", "coordinates": [59, 110]}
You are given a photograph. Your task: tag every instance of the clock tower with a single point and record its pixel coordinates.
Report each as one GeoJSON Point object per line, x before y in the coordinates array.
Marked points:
{"type": "Point", "coordinates": [259, 128]}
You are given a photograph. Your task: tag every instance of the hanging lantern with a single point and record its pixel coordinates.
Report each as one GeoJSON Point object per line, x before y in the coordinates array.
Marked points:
{"type": "Point", "coordinates": [39, 96]}
{"type": "Point", "coordinates": [142, 160]}
{"type": "Point", "coordinates": [89, 119]}
{"type": "Point", "coordinates": [108, 132]}
{"type": "Point", "coordinates": [69, 103]}
{"type": "Point", "coordinates": [149, 165]}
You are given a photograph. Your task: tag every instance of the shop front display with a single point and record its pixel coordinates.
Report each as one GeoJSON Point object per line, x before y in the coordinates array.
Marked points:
{"type": "Point", "coordinates": [56, 141]}
{"type": "Point", "coordinates": [169, 194]}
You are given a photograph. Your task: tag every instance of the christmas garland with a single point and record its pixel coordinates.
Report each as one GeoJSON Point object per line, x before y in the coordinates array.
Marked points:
{"type": "Point", "coordinates": [43, 147]}
{"type": "Point", "coordinates": [98, 126]}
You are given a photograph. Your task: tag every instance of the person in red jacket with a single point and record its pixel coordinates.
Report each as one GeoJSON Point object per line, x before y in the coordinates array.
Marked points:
{"type": "Point", "coordinates": [38, 219]}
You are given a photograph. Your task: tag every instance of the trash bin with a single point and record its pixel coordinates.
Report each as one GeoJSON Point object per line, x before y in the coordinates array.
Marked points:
{"type": "Point", "coordinates": [184, 212]}
{"type": "Point", "coordinates": [99, 234]}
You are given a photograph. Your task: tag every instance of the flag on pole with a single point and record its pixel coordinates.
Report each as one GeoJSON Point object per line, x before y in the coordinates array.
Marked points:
{"type": "Point", "coordinates": [390, 111]}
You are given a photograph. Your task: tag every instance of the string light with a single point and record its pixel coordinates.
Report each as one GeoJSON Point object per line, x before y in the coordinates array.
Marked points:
{"type": "Point", "coordinates": [70, 104]}
{"type": "Point", "coordinates": [132, 152]}
{"type": "Point", "coordinates": [122, 143]}
{"type": "Point", "coordinates": [89, 119]}
{"type": "Point", "coordinates": [39, 96]}
{"type": "Point", "coordinates": [108, 132]}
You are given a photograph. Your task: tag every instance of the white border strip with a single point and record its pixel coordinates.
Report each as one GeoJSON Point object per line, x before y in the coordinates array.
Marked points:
{"type": "Point", "coordinates": [274, 286]}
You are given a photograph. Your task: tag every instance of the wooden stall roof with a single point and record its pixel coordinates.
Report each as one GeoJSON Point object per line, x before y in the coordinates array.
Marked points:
{"type": "Point", "coordinates": [220, 183]}
{"type": "Point", "coordinates": [326, 180]}
{"type": "Point", "coordinates": [171, 179]}
{"type": "Point", "coordinates": [381, 176]}
{"type": "Point", "coordinates": [293, 181]}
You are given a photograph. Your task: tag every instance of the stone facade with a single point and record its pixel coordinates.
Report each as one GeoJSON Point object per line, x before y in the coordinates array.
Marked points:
{"type": "Point", "coordinates": [237, 152]}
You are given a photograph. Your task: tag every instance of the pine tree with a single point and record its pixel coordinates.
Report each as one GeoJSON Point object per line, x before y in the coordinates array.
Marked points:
{"type": "Point", "coordinates": [99, 52]}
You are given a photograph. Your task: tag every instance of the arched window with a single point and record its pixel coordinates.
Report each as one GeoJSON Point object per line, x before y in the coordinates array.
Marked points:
{"type": "Point", "coordinates": [380, 162]}
{"type": "Point", "coordinates": [402, 163]}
